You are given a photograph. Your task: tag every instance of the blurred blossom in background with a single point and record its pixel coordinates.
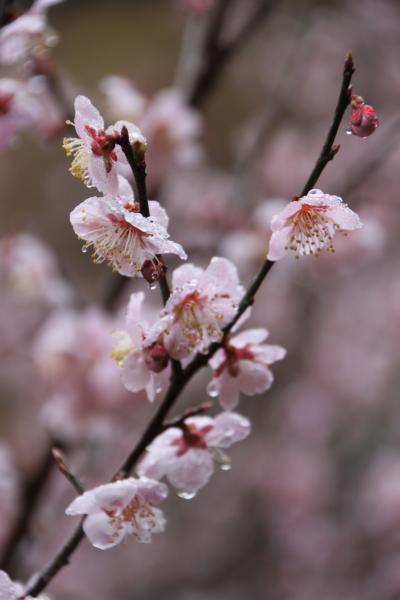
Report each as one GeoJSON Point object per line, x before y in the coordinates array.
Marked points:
{"type": "Point", "coordinates": [311, 508]}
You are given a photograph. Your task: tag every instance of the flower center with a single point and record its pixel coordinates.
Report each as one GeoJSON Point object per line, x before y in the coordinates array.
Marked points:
{"type": "Point", "coordinates": [192, 437]}
{"type": "Point", "coordinates": [311, 230]}
{"type": "Point", "coordinates": [232, 359]}
{"type": "Point", "coordinates": [103, 145]}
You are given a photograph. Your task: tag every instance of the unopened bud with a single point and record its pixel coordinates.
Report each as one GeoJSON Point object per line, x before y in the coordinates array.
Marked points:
{"type": "Point", "coordinates": [363, 119]}
{"type": "Point", "coordinates": [152, 271]}
{"type": "Point", "coordinates": [156, 358]}
{"type": "Point", "coordinates": [139, 150]}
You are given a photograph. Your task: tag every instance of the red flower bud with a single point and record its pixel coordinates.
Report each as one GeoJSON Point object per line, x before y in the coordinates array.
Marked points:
{"type": "Point", "coordinates": [363, 119]}
{"type": "Point", "coordinates": [156, 358]}
{"type": "Point", "coordinates": [152, 271]}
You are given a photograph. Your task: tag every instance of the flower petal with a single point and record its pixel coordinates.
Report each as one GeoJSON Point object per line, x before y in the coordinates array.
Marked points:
{"type": "Point", "coordinates": [86, 115]}
{"type": "Point", "coordinates": [229, 428]}
{"type": "Point", "coordinates": [279, 242]}
{"type": "Point", "coordinates": [102, 532]}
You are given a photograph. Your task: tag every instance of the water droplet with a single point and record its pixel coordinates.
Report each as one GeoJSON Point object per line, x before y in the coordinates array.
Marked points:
{"type": "Point", "coordinates": [84, 249]}
{"type": "Point", "coordinates": [158, 389]}
{"type": "Point", "coordinates": [225, 466]}
{"type": "Point", "coordinates": [153, 286]}
{"type": "Point", "coordinates": [212, 390]}
{"type": "Point", "coordinates": [348, 131]}
{"type": "Point", "coordinates": [186, 495]}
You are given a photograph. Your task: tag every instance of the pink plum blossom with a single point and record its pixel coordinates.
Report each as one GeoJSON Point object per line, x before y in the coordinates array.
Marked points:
{"type": "Point", "coordinates": [27, 33]}
{"type": "Point", "coordinates": [122, 508]}
{"type": "Point", "coordinates": [29, 273]}
{"type": "Point", "coordinates": [18, 110]}
{"type": "Point", "coordinates": [307, 225]}
{"type": "Point", "coordinates": [186, 455]}
{"type": "Point", "coordinates": [143, 367]}
{"type": "Point", "coordinates": [242, 365]}
{"type": "Point", "coordinates": [72, 352]}
{"type": "Point", "coordinates": [9, 590]}
{"type": "Point", "coordinates": [363, 119]}
{"type": "Point", "coordinates": [171, 128]}
{"type": "Point", "coordinates": [201, 304]}
{"type": "Point", "coordinates": [96, 156]}
{"type": "Point", "coordinates": [120, 234]}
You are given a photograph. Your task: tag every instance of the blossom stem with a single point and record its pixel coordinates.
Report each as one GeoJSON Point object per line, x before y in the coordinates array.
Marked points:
{"type": "Point", "coordinates": [139, 173]}
{"type": "Point", "coordinates": [329, 149]}
{"type": "Point", "coordinates": [138, 170]}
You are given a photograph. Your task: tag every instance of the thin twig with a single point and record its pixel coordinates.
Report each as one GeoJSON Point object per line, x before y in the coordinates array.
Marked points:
{"type": "Point", "coordinates": [30, 497]}
{"type": "Point", "coordinates": [190, 412]}
{"type": "Point", "coordinates": [59, 459]}
{"type": "Point", "coordinates": [178, 383]}
{"type": "Point", "coordinates": [217, 54]}
{"type": "Point", "coordinates": [329, 149]}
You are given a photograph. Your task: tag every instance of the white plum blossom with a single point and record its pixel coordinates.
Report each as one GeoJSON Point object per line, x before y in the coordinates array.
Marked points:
{"type": "Point", "coordinates": [27, 33]}
{"type": "Point", "coordinates": [242, 365]}
{"type": "Point", "coordinates": [121, 508]}
{"type": "Point", "coordinates": [186, 455]}
{"type": "Point", "coordinates": [120, 234]}
{"type": "Point", "coordinates": [172, 129]}
{"type": "Point", "coordinates": [18, 110]}
{"type": "Point", "coordinates": [202, 302]}
{"type": "Point", "coordinates": [307, 225]}
{"type": "Point", "coordinates": [143, 366]}
{"type": "Point", "coordinates": [96, 156]}
{"type": "Point", "coordinates": [10, 590]}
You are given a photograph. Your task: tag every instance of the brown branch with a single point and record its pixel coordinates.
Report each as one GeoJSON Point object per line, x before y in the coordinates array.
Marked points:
{"type": "Point", "coordinates": [178, 383]}
{"type": "Point", "coordinates": [135, 155]}
{"type": "Point", "coordinates": [31, 491]}
{"type": "Point", "coordinates": [329, 149]}
{"type": "Point", "coordinates": [216, 54]}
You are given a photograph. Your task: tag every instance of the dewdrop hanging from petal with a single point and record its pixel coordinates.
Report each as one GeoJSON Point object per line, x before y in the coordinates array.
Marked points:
{"type": "Point", "coordinates": [308, 225]}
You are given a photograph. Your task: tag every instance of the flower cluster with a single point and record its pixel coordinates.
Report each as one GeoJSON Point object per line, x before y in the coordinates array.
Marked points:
{"type": "Point", "coordinates": [26, 100]}
{"type": "Point", "coordinates": [201, 306]}
{"type": "Point", "coordinates": [112, 224]}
